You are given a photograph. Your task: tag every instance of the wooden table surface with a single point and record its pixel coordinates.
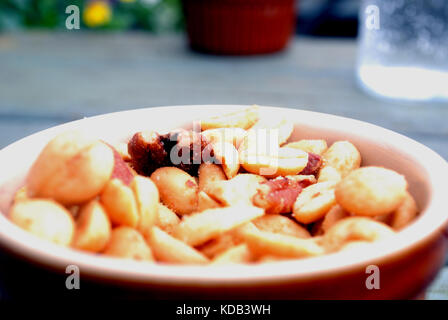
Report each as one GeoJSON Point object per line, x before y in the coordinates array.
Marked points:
{"type": "Point", "coordinates": [51, 78]}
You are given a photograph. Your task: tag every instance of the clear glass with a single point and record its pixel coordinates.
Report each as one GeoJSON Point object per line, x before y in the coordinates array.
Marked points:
{"type": "Point", "coordinates": [403, 49]}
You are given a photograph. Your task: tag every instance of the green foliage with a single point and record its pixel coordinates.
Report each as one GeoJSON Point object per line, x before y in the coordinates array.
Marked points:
{"type": "Point", "coordinates": [154, 16]}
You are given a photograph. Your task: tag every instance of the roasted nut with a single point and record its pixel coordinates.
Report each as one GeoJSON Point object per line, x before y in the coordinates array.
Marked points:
{"type": "Point", "coordinates": [147, 196]}
{"type": "Point", "coordinates": [280, 224]}
{"type": "Point", "coordinates": [171, 250]}
{"type": "Point", "coordinates": [355, 245]}
{"type": "Point", "coordinates": [335, 214]}
{"type": "Point", "coordinates": [128, 243]}
{"type": "Point", "coordinates": [343, 156]}
{"type": "Point", "coordinates": [229, 135]}
{"type": "Point", "coordinates": [405, 213]}
{"type": "Point", "coordinates": [122, 149]}
{"type": "Point", "coordinates": [166, 218]}
{"type": "Point", "coordinates": [93, 228]}
{"type": "Point", "coordinates": [189, 151]}
{"type": "Point", "coordinates": [280, 162]}
{"type": "Point", "coordinates": [371, 191]}
{"type": "Point", "coordinates": [226, 155]}
{"type": "Point", "coordinates": [209, 173]}
{"type": "Point", "coordinates": [71, 169]}
{"type": "Point", "coordinates": [278, 195]}
{"type": "Point", "coordinates": [21, 194]}
{"type": "Point", "coordinates": [244, 119]}
{"type": "Point", "coordinates": [201, 227]}
{"type": "Point", "coordinates": [121, 169]}
{"type": "Point", "coordinates": [317, 146]}
{"type": "Point", "coordinates": [45, 219]}
{"type": "Point", "coordinates": [178, 190]}
{"type": "Point", "coordinates": [219, 244]}
{"type": "Point", "coordinates": [268, 243]}
{"type": "Point", "coordinates": [355, 229]}
{"type": "Point", "coordinates": [240, 189]}
{"type": "Point", "coordinates": [259, 153]}
{"type": "Point", "coordinates": [148, 152]}
{"type": "Point", "coordinates": [279, 126]}
{"type": "Point", "coordinates": [180, 148]}
{"type": "Point", "coordinates": [120, 204]}
{"type": "Point", "coordinates": [313, 165]}
{"type": "Point", "coordinates": [314, 201]}
{"type": "Point", "coordinates": [385, 218]}
{"type": "Point", "coordinates": [238, 254]}
{"type": "Point", "coordinates": [328, 173]}
{"type": "Point", "coordinates": [205, 202]}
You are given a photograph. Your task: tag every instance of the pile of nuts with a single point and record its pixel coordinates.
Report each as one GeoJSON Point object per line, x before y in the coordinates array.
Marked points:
{"type": "Point", "coordinates": [236, 196]}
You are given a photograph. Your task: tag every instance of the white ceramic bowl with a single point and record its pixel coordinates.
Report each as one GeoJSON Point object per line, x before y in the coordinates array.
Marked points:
{"type": "Point", "coordinates": [408, 262]}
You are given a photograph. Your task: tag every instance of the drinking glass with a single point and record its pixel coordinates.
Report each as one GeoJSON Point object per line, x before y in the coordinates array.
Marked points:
{"type": "Point", "coordinates": [403, 49]}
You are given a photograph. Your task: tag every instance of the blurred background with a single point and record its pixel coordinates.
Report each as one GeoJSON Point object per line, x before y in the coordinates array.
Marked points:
{"type": "Point", "coordinates": [333, 18]}
{"type": "Point", "coordinates": [380, 61]}
{"type": "Point", "coordinates": [59, 64]}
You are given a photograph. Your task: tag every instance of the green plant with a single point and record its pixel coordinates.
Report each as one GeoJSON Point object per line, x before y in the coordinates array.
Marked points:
{"type": "Point", "coordinates": [151, 15]}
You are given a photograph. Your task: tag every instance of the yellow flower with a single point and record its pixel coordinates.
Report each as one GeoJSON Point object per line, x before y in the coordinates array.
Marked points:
{"type": "Point", "coordinates": [97, 13]}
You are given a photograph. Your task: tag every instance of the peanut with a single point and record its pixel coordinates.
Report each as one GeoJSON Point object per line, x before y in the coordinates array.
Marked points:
{"type": "Point", "coordinates": [128, 243]}
{"type": "Point", "coordinates": [244, 119]}
{"type": "Point", "coordinates": [314, 202]}
{"type": "Point", "coordinates": [371, 191]}
{"type": "Point", "coordinates": [227, 156]}
{"type": "Point", "coordinates": [71, 169]}
{"type": "Point", "coordinates": [282, 225]}
{"type": "Point", "coordinates": [229, 135]}
{"type": "Point", "coordinates": [171, 250]}
{"type": "Point", "coordinates": [21, 194]}
{"type": "Point", "coordinates": [238, 254]}
{"type": "Point", "coordinates": [355, 245]}
{"type": "Point", "coordinates": [355, 229]}
{"type": "Point", "coordinates": [343, 156]}
{"type": "Point", "coordinates": [178, 190]}
{"type": "Point", "coordinates": [210, 173]}
{"type": "Point", "coordinates": [263, 242]}
{"type": "Point", "coordinates": [93, 228]}
{"type": "Point", "coordinates": [278, 195]}
{"type": "Point", "coordinates": [405, 213]}
{"type": "Point", "coordinates": [121, 169]}
{"type": "Point", "coordinates": [166, 218]}
{"type": "Point", "coordinates": [240, 189]}
{"type": "Point", "coordinates": [278, 162]}
{"type": "Point", "coordinates": [122, 149]}
{"type": "Point", "coordinates": [328, 173]}
{"type": "Point", "coordinates": [45, 219]}
{"type": "Point", "coordinates": [335, 214]}
{"type": "Point", "coordinates": [219, 244]}
{"type": "Point", "coordinates": [205, 202]}
{"type": "Point", "coordinates": [147, 197]}
{"type": "Point", "coordinates": [120, 204]}
{"type": "Point", "coordinates": [309, 145]}
{"type": "Point", "coordinates": [278, 126]}
{"type": "Point", "coordinates": [201, 227]}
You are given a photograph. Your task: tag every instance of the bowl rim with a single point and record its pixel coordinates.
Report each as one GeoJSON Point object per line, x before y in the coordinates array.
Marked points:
{"type": "Point", "coordinates": [434, 220]}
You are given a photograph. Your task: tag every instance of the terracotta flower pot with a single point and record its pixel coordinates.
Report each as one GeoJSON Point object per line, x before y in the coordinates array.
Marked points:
{"type": "Point", "coordinates": [239, 27]}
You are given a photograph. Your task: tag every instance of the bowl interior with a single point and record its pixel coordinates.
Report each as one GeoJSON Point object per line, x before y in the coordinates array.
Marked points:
{"type": "Point", "coordinates": [378, 146]}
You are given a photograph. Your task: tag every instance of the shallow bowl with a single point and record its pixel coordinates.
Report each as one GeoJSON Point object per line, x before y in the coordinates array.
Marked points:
{"type": "Point", "coordinates": [407, 263]}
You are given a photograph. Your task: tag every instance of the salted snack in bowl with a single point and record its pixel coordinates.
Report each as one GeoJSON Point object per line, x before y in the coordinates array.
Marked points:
{"type": "Point", "coordinates": [237, 189]}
